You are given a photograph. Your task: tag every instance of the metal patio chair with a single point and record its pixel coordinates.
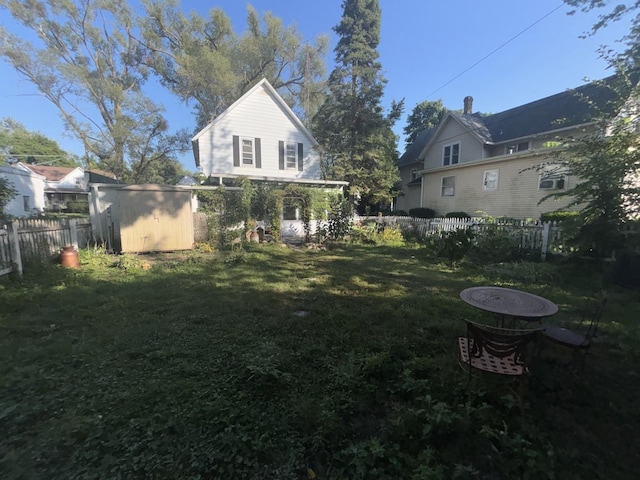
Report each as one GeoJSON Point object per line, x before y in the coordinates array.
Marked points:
{"type": "Point", "coordinates": [579, 338]}
{"type": "Point", "coordinates": [501, 351]}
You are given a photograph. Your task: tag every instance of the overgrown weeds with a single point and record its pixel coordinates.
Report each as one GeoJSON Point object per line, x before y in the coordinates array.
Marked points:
{"type": "Point", "coordinates": [201, 367]}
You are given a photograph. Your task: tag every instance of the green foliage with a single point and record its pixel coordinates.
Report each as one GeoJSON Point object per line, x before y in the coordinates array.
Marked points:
{"type": "Point", "coordinates": [422, 212]}
{"type": "Point", "coordinates": [400, 213]}
{"type": "Point", "coordinates": [373, 233]}
{"type": "Point", "coordinates": [559, 216]}
{"type": "Point", "coordinates": [202, 60]}
{"type": "Point", "coordinates": [457, 215]}
{"type": "Point", "coordinates": [357, 139]}
{"type": "Point", "coordinates": [606, 169]}
{"type": "Point", "coordinates": [454, 245]}
{"type": "Point", "coordinates": [426, 114]}
{"type": "Point", "coordinates": [495, 244]}
{"type": "Point", "coordinates": [20, 144]}
{"type": "Point", "coordinates": [221, 378]}
{"type": "Point", "coordinates": [7, 192]}
{"type": "Point", "coordinates": [78, 206]}
{"type": "Point", "coordinates": [339, 221]}
{"type": "Point", "coordinates": [93, 71]}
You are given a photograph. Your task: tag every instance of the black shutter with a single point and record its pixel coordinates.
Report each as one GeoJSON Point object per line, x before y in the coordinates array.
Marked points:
{"type": "Point", "coordinates": [258, 153]}
{"type": "Point", "coordinates": [300, 156]}
{"type": "Point", "coordinates": [236, 151]}
{"type": "Point", "coordinates": [281, 154]}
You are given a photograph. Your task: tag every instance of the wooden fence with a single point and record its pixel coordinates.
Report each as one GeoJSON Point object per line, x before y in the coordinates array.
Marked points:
{"type": "Point", "coordinates": [34, 239]}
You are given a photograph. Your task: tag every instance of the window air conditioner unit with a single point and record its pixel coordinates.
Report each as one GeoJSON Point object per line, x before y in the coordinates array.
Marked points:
{"type": "Point", "coordinates": [557, 183]}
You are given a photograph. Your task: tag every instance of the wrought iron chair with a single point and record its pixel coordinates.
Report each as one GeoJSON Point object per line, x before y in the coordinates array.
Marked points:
{"type": "Point", "coordinates": [580, 337]}
{"type": "Point", "coordinates": [502, 351]}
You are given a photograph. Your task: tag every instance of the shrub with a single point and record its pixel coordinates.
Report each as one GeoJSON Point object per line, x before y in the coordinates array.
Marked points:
{"type": "Point", "coordinates": [456, 244]}
{"type": "Point", "coordinates": [558, 216]}
{"type": "Point", "coordinates": [422, 212]}
{"type": "Point", "coordinates": [400, 213]}
{"type": "Point", "coordinates": [495, 245]}
{"type": "Point", "coordinates": [457, 215]}
{"type": "Point", "coordinates": [78, 206]}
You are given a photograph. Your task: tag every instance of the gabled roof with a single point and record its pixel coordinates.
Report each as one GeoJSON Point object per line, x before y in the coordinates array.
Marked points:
{"type": "Point", "coordinates": [411, 154]}
{"type": "Point", "coordinates": [52, 174]}
{"type": "Point", "coordinates": [571, 108]}
{"type": "Point", "coordinates": [264, 83]}
{"type": "Point", "coordinates": [14, 170]}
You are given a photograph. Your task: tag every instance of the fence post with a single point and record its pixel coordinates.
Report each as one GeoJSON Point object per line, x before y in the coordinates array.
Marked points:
{"type": "Point", "coordinates": [73, 232]}
{"type": "Point", "coordinates": [545, 240]}
{"type": "Point", "coordinates": [15, 246]}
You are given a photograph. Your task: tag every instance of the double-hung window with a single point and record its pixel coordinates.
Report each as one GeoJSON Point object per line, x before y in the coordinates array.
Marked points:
{"type": "Point", "coordinates": [448, 186]}
{"type": "Point", "coordinates": [451, 154]}
{"type": "Point", "coordinates": [291, 156]}
{"type": "Point", "coordinates": [247, 151]}
{"type": "Point", "coordinates": [490, 180]}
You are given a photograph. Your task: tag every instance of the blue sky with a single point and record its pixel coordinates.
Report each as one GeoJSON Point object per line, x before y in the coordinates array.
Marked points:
{"type": "Point", "coordinates": [526, 50]}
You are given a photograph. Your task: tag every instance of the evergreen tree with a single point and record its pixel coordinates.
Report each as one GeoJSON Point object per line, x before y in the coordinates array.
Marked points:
{"type": "Point", "coordinates": [351, 126]}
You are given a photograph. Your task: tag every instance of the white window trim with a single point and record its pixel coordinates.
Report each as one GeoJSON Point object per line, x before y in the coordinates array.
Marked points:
{"type": "Point", "coordinates": [253, 152]}
{"type": "Point", "coordinates": [295, 149]}
{"type": "Point", "coordinates": [451, 145]}
{"type": "Point", "coordinates": [414, 174]}
{"type": "Point", "coordinates": [484, 180]}
{"type": "Point", "coordinates": [442, 191]}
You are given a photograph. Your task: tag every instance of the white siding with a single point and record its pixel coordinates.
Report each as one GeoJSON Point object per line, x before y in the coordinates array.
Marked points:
{"type": "Point", "coordinates": [258, 116]}
{"type": "Point", "coordinates": [74, 180]}
{"type": "Point", "coordinates": [27, 184]}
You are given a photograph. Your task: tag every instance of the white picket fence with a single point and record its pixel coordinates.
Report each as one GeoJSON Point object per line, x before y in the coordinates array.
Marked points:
{"type": "Point", "coordinates": [31, 239]}
{"type": "Point", "coordinates": [533, 236]}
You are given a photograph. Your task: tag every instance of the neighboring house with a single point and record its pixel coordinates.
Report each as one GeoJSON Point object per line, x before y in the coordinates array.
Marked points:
{"type": "Point", "coordinates": [63, 184]}
{"type": "Point", "coordinates": [30, 188]}
{"type": "Point", "coordinates": [410, 167]}
{"type": "Point", "coordinates": [474, 163]}
{"type": "Point", "coordinates": [260, 138]}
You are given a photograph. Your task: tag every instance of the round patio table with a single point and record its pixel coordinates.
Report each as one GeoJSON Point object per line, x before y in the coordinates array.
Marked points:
{"type": "Point", "coordinates": [509, 302]}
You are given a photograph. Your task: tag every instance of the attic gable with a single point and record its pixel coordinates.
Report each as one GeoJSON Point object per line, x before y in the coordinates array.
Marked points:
{"type": "Point", "coordinates": [262, 85]}
{"type": "Point", "coordinates": [571, 108]}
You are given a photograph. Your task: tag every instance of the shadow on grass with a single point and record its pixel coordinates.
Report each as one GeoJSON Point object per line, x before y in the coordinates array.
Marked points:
{"type": "Point", "coordinates": [204, 365]}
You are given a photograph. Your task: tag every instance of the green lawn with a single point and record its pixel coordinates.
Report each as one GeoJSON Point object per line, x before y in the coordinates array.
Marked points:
{"type": "Point", "coordinates": [265, 363]}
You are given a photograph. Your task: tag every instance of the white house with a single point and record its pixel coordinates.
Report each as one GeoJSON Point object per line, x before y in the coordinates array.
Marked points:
{"type": "Point", "coordinates": [29, 186]}
{"type": "Point", "coordinates": [260, 138]}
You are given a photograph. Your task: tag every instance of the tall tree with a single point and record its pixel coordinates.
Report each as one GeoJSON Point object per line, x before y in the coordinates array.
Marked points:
{"type": "Point", "coordinates": [351, 126]}
{"type": "Point", "coordinates": [19, 144]}
{"type": "Point", "coordinates": [89, 64]}
{"type": "Point", "coordinates": [607, 163]}
{"type": "Point", "coordinates": [203, 61]}
{"type": "Point", "coordinates": [426, 114]}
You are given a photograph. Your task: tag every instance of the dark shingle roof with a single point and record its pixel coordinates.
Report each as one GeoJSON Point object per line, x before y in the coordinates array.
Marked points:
{"type": "Point", "coordinates": [411, 153]}
{"type": "Point", "coordinates": [567, 109]}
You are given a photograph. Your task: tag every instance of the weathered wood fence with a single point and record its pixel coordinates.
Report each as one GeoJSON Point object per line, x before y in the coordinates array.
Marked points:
{"type": "Point", "coordinates": [25, 240]}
